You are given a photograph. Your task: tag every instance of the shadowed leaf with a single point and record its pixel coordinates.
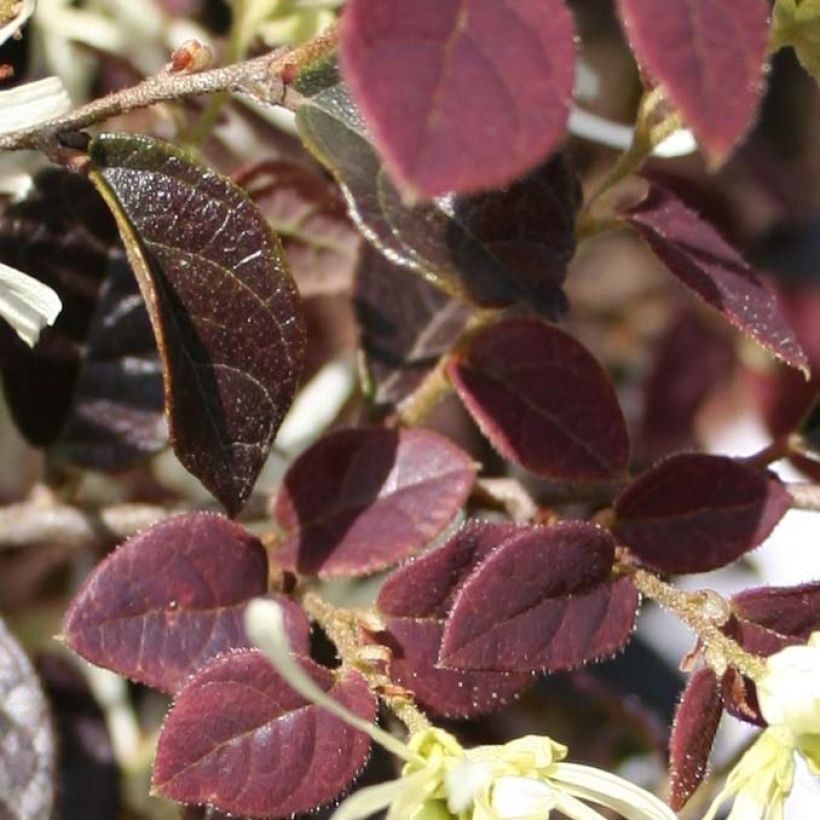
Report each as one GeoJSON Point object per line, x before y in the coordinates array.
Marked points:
{"type": "Point", "coordinates": [541, 601]}
{"type": "Point", "coordinates": [543, 401]}
{"type": "Point", "coordinates": [171, 598]}
{"type": "Point", "coordinates": [449, 109]}
{"type": "Point", "coordinates": [91, 389]}
{"type": "Point", "coordinates": [695, 513]}
{"type": "Point", "coordinates": [405, 325]}
{"type": "Point", "coordinates": [271, 753]}
{"type": "Point", "coordinates": [709, 57]}
{"type": "Point", "coordinates": [693, 732]}
{"type": "Point", "coordinates": [27, 748]}
{"type": "Point", "coordinates": [222, 303]}
{"type": "Point", "coordinates": [704, 262]}
{"type": "Point", "coordinates": [361, 500]}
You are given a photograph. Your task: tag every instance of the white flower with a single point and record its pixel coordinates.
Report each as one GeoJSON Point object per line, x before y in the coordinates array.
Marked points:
{"type": "Point", "coordinates": [521, 780]}
{"type": "Point", "coordinates": [12, 25]}
{"type": "Point", "coordinates": [26, 304]}
{"type": "Point", "coordinates": [32, 104]}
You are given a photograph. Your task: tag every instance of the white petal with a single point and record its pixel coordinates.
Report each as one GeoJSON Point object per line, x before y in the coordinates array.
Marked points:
{"type": "Point", "coordinates": [597, 786]}
{"type": "Point", "coordinates": [31, 104]}
{"type": "Point", "coordinates": [522, 798]}
{"type": "Point", "coordinates": [368, 801]}
{"type": "Point", "coordinates": [463, 782]}
{"type": "Point", "coordinates": [18, 20]}
{"type": "Point", "coordinates": [26, 304]}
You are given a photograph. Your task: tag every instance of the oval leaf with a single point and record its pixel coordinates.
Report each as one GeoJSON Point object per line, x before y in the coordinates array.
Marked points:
{"type": "Point", "coordinates": [788, 611]}
{"type": "Point", "coordinates": [271, 753]}
{"type": "Point", "coordinates": [693, 732]}
{"type": "Point", "coordinates": [694, 252]}
{"type": "Point", "coordinates": [543, 401]}
{"type": "Point", "coordinates": [541, 601]}
{"type": "Point", "coordinates": [27, 748]}
{"type": "Point", "coordinates": [360, 500]}
{"type": "Point", "coordinates": [449, 110]}
{"type": "Point", "coordinates": [171, 598]}
{"type": "Point", "coordinates": [222, 303]}
{"type": "Point", "coordinates": [695, 513]}
{"type": "Point", "coordinates": [708, 56]}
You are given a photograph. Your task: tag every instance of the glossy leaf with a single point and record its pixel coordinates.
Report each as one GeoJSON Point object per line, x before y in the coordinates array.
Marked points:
{"type": "Point", "coordinates": [543, 401]}
{"type": "Point", "coordinates": [695, 513]}
{"type": "Point", "coordinates": [309, 215]}
{"type": "Point", "coordinates": [693, 733]}
{"type": "Point", "coordinates": [449, 110]}
{"type": "Point", "coordinates": [496, 248]}
{"type": "Point", "coordinates": [415, 601]}
{"type": "Point", "coordinates": [541, 601]}
{"type": "Point", "coordinates": [706, 264]}
{"type": "Point", "coordinates": [172, 598]}
{"type": "Point", "coordinates": [405, 324]}
{"type": "Point", "coordinates": [27, 749]}
{"type": "Point", "coordinates": [222, 303]}
{"type": "Point", "coordinates": [271, 753]}
{"type": "Point", "coordinates": [709, 57]}
{"type": "Point", "coordinates": [361, 500]}
{"type": "Point", "coordinates": [91, 390]}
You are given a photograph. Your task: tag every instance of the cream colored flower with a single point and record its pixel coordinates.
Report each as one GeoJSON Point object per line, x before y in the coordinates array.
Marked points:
{"type": "Point", "coordinates": [521, 780]}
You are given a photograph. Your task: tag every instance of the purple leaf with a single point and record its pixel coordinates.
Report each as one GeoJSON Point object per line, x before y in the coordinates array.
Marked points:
{"type": "Point", "coordinates": [541, 601]}
{"type": "Point", "coordinates": [791, 611]}
{"type": "Point", "coordinates": [449, 109]}
{"type": "Point", "coordinates": [709, 56]}
{"type": "Point", "coordinates": [694, 513]}
{"type": "Point", "coordinates": [171, 598]}
{"type": "Point", "coordinates": [693, 732]}
{"type": "Point", "coordinates": [543, 401]}
{"type": "Point", "coordinates": [361, 500]}
{"type": "Point", "coordinates": [240, 739]}
{"type": "Point", "coordinates": [704, 262]}
{"type": "Point", "coordinates": [222, 302]}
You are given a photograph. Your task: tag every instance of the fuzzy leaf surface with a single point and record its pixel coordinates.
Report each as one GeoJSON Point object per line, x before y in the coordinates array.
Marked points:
{"type": "Point", "coordinates": [696, 512]}
{"type": "Point", "coordinates": [496, 249]}
{"type": "Point", "coordinates": [709, 57]}
{"type": "Point", "coordinates": [541, 601]}
{"type": "Point", "coordinates": [698, 256]}
{"type": "Point", "coordinates": [543, 401]}
{"type": "Point", "coordinates": [693, 733]}
{"type": "Point", "coordinates": [271, 753]}
{"type": "Point", "coordinates": [27, 748]}
{"type": "Point", "coordinates": [223, 305]}
{"type": "Point", "coordinates": [171, 598]}
{"type": "Point", "coordinates": [792, 611]}
{"type": "Point", "coordinates": [361, 500]}
{"type": "Point", "coordinates": [473, 115]}
{"type": "Point", "coordinates": [415, 601]}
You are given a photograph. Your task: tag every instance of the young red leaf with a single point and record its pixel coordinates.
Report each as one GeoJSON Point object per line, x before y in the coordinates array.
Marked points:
{"type": "Point", "coordinates": [240, 739]}
{"type": "Point", "coordinates": [693, 732]}
{"type": "Point", "coordinates": [361, 500]}
{"type": "Point", "coordinates": [448, 109]}
{"type": "Point", "coordinates": [704, 262]}
{"type": "Point", "coordinates": [695, 513]}
{"type": "Point", "coordinates": [709, 56]}
{"type": "Point", "coordinates": [171, 598]}
{"type": "Point", "coordinates": [222, 303]}
{"type": "Point", "coordinates": [541, 601]}
{"type": "Point", "coordinates": [543, 401]}
{"type": "Point", "coordinates": [27, 748]}
{"type": "Point", "coordinates": [416, 598]}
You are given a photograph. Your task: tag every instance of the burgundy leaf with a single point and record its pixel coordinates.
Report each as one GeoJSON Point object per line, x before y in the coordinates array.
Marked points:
{"type": "Point", "coordinates": [449, 109]}
{"type": "Point", "coordinates": [360, 500]}
{"type": "Point", "coordinates": [709, 56]}
{"type": "Point", "coordinates": [704, 262]}
{"type": "Point", "coordinates": [27, 748]}
{"type": "Point", "coordinates": [172, 598]}
{"type": "Point", "coordinates": [792, 611]}
{"type": "Point", "coordinates": [543, 401]}
{"type": "Point", "coordinates": [694, 512]}
{"type": "Point", "coordinates": [405, 323]}
{"type": "Point", "coordinates": [693, 732]}
{"type": "Point", "coordinates": [541, 601]}
{"type": "Point", "coordinates": [240, 739]}
{"type": "Point", "coordinates": [222, 302]}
